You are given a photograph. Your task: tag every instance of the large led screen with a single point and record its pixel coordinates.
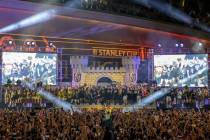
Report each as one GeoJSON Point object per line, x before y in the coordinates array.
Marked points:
{"type": "Point", "coordinates": [181, 70]}
{"type": "Point", "coordinates": [34, 66]}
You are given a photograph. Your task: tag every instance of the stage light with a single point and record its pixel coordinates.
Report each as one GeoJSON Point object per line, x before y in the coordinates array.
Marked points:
{"type": "Point", "coordinates": [177, 45]}
{"type": "Point", "coordinates": [47, 95]}
{"type": "Point", "coordinates": [35, 19]}
{"type": "Point", "coordinates": [181, 45]}
{"type": "Point", "coordinates": [10, 42]}
{"type": "Point", "coordinates": [28, 43]}
{"type": "Point", "coordinates": [172, 12]}
{"type": "Point", "coordinates": [167, 9]}
{"type": "Point", "coordinates": [33, 43]}
{"type": "Point", "coordinates": [148, 100]}
{"type": "Point", "coordinates": [60, 103]}
{"type": "Point", "coordinates": [162, 92]}
{"type": "Point", "coordinates": [154, 96]}
{"type": "Point", "coordinates": [200, 44]}
{"type": "Point", "coordinates": [159, 45]}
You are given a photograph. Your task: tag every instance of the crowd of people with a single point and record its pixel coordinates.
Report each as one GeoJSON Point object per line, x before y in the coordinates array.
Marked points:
{"type": "Point", "coordinates": [15, 95]}
{"type": "Point", "coordinates": [185, 98]}
{"type": "Point", "coordinates": [110, 123]}
{"type": "Point", "coordinates": [18, 96]}
{"type": "Point", "coordinates": [50, 124]}
{"type": "Point", "coordinates": [103, 95]}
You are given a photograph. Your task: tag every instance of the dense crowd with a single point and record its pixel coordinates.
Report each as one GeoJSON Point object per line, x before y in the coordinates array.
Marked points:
{"type": "Point", "coordinates": [185, 98]}
{"type": "Point", "coordinates": [103, 95]}
{"type": "Point", "coordinates": [108, 123]}
{"type": "Point", "coordinates": [48, 125]}
{"type": "Point", "coordinates": [104, 125]}
{"type": "Point", "coordinates": [18, 96]}
{"type": "Point", "coordinates": [167, 125]}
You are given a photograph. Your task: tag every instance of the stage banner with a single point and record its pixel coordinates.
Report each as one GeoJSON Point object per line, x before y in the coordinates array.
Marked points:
{"type": "Point", "coordinates": [114, 52]}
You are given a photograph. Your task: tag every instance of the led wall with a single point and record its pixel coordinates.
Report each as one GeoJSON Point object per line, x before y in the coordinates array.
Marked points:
{"type": "Point", "coordinates": [36, 66]}
{"type": "Point", "coordinates": [181, 70]}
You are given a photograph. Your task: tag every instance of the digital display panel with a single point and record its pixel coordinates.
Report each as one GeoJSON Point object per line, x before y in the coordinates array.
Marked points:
{"type": "Point", "coordinates": [181, 70]}
{"type": "Point", "coordinates": [34, 66]}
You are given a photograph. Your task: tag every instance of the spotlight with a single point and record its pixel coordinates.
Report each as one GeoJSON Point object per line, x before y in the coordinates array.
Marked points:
{"type": "Point", "coordinates": [28, 43]}
{"type": "Point", "coordinates": [52, 98]}
{"type": "Point", "coordinates": [200, 44]}
{"type": "Point", "coordinates": [181, 45]}
{"type": "Point", "coordinates": [159, 45]}
{"type": "Point", "coordinates": [177, 45]}
{"type": "Point", "coordinates": [10, 42]}
{"type": "Point", "coordinates": [162, 92]}
{"type": "Point", "coordinates": [32, 20]}
{"type": "Point", "coordinates": [172, 12]}
{"type": "Point", "coordinates": [33, 43]}
{"type": "Point", "coordinates": [37, 18]}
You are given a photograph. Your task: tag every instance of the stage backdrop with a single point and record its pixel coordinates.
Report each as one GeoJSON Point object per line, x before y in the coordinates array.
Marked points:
{"type": "Point", "coordinates": [181, 70]}
{"type": "Point", "coordinates": [36, 66]}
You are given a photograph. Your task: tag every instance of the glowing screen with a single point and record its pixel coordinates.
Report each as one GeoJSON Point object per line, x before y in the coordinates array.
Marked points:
{"type": "Point", "coordinates": [181, 70]}
{"type": "Point", "coordinates": [35, 66]}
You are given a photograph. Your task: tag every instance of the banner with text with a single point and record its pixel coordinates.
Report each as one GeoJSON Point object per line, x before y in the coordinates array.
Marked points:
{"type": "Point", "coordinates": [115, 52]}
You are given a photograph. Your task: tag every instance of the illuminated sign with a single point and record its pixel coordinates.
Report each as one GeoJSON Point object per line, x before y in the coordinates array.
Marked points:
{"type": "Point", "coordinates": [115, 52]}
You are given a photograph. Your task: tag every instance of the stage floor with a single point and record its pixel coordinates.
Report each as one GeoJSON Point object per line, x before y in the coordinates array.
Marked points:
{"type": "Point", "coordinates": [107, 107]}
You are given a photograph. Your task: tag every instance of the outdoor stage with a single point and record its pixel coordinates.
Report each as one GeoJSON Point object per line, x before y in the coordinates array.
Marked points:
{"type": "Point", "coordinates": [42, 62]}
